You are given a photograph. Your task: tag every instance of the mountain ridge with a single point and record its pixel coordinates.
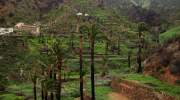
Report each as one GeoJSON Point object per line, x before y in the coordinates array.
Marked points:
{"type": "Point", "coordinates": [169, 9]}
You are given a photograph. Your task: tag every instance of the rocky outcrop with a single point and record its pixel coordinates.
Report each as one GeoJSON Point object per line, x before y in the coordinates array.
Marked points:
{"type": "Point", "coordinates": [165, 64]}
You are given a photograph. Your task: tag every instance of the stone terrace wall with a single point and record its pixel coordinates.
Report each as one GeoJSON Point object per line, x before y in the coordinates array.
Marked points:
{"type": "Point", "coordinates": [137, 92]}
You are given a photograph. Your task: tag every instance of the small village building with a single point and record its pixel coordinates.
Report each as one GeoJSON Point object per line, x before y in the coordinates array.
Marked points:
{"type": "Point", "coordinates": [32, 29]}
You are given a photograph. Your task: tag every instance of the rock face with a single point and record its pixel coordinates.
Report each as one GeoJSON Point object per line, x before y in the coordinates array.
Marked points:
{"type": "Point", "coordinates": [169, 9]}
{"type": "Point", "coordinates": [165, 64]}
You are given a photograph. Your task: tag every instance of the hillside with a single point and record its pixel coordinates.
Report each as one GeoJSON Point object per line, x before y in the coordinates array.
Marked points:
{"type": "Point", "coordinates": [89, 50]}
{"type": "Point", "coordinates": [170, 34]}
{"type": "Point", "coordinates": [13, 11]}
{"type": "Point", "coordinates": [29, 11]}
{"type": "Point", "coordinates": [164, 64]}
{"type": "Point", "coordinates": [169, 9]}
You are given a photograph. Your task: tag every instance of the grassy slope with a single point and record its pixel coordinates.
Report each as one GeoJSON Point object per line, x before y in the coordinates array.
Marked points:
{"type": "Point", "coordinates": [25, 88]}
{"type": "Point", "coordinates": [70, 91]}
{"type": "Point", "coordinates": [69, 10]}
{"type": "Point", "coordinates": [157, 84]}
{"type": "Point", "coordinates": [65, 16]}
{"type": "Point", "coordinates": [169, 35]}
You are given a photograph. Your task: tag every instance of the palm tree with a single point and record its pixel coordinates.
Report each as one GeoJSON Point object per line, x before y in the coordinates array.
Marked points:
{"type": "Point", "coordinates": [92, 37]}
{"type": "Point", "coordinates": [92, 34]}
{"type": "Point", "coordinates": [59, 51]}
{"type": "Point", "coordinates": [83, 30]}
{"type": "Point", "coordinates": [81, 66]}
{"type": "Point", "coordinates": [42, 91]}
{"type": "Point", "coordinates": [34, 80]}
{"type": "Point", "coordinates": [78, 29]}
{"type": "Point", "coordinates": [141, 28]}
{"type": "Point", "coordinates": [51, 77]}
{"type": "Point", "coordinates": [42, 79]}
{"type": "Point", "coordinates": [129, 59]}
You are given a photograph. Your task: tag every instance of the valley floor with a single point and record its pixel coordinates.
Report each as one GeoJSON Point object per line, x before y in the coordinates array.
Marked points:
{"type": "Point", "coordinates": [24, 91]}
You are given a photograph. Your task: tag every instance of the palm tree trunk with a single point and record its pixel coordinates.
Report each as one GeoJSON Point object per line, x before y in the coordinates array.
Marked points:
{"type": "Point", "coordinates": [118, 47]}
{"type": "Point", "coordinates": [92, 69]}
{"type": "Point", "coordinates": [34, 88]}
{"type": "Point", "coordinates": [59, 80]}
{"type": "Point", "coordinates": [107, 47]}
{"type": "Point", "coordinates": [46, 94]}
{"type": "Point", "coordinates": [42, 92]}
{"type": "Point", "coordinates": [81, 67]}
{"type": "Point", "coordinates": [72, 43]}
{"type": "Point", "coordinates": [139, 61]}
{"type": "Point", "coordinates": [51, 77]}
{"type": "Point", "coordinates": [129, 59]}
{"type": "Point", "coordinates": [52, 96]}
{"type": "Point", "coordinates": [42, 86]}
{"type": "Point", "coordinates": [139, 54]}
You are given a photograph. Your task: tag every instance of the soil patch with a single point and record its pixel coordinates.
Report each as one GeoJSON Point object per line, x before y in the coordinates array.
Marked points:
{"type": "Point", "coordinates": [117, 96]}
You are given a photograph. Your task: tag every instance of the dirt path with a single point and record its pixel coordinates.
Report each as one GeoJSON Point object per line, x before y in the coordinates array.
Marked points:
{"type": "Point", "coordinates": [117, 96]}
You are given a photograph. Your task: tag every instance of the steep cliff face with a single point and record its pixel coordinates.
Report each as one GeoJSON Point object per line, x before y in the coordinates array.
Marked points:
{"type": "Point", "coordinates": [165, 64]}
{"type": "Point", "coordinates": [167, 8]}
{"type": "Point", "coordinates": [149, 4]}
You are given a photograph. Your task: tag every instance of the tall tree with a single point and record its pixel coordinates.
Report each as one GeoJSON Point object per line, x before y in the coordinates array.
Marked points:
{"type": "Point", "coordinates": [83, 30]}
{"type": "Point", "coordinates": [34, 80]}
{"type": "Point", "coordinates": [51, 77]}
{"type": "Point", "coordinates": [129, 59]}
{"type": "Point", "coordinates": [93, 33]}
{"type": "Point", "coordinates": [141, 29]}
{"type": "Point", "coordinates": [60, 53]}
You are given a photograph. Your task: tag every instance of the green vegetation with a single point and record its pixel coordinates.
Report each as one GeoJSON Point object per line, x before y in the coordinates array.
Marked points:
{"type": "Point", "coordinates": [17, 88]}
{"type": "Point", "coordinates": [170, 34]}
{"type": "Point", "coordinates": [154, 83]}
{"type": "Point", "coordinates": [49, 65]}
{"type": "Point", "coordinates": [11, 97]}
{"type": "Point", "coordinates": [102, 92]}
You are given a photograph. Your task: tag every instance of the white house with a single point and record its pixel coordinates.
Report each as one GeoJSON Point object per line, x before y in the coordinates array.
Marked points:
{"type": "Point", "coordinates": [4, 31]}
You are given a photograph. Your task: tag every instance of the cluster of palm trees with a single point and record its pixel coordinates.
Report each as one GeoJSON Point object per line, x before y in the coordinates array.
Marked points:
{"type": "Point", "coordinates": [92, 32]}
{"type": "Point", "coordinates": [54, 73]}
{"type": "Point", "coordinates": [52, 77]}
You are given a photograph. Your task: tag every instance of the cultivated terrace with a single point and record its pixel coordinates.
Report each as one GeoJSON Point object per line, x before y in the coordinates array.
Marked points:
{"type": "Point", "coordinates": [89, 50]}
